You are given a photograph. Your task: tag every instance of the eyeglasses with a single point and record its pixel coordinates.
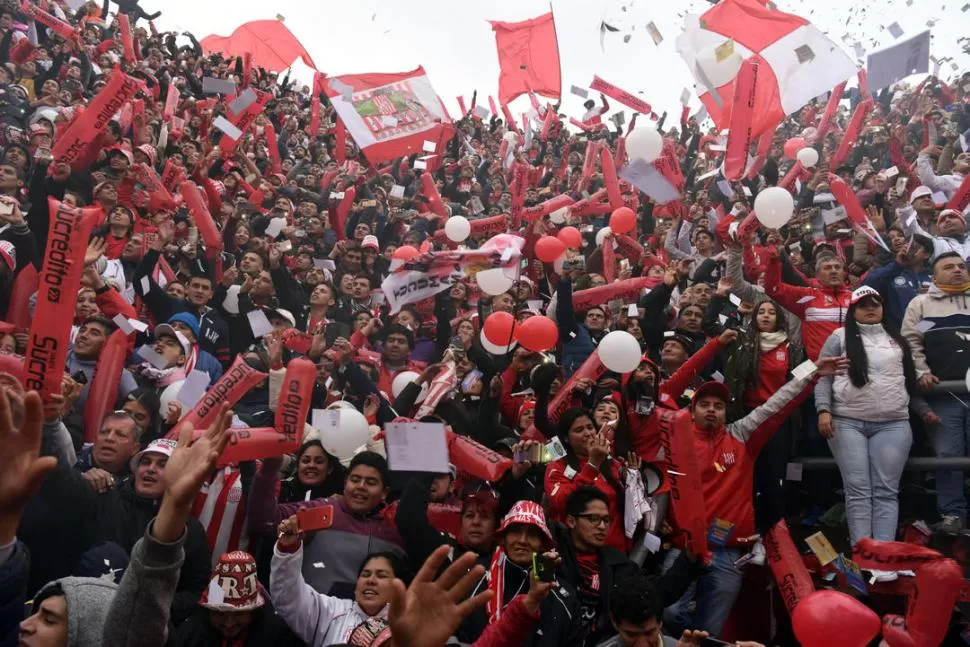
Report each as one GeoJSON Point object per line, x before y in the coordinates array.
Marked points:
{"type": "Point", "coordinates": [596, 519]}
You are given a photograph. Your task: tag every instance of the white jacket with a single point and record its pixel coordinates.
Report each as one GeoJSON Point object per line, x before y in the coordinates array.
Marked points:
{"type": "Point", "coordinates": [884, 397]}
{"type": "Point", "coordinates": [319, 620]}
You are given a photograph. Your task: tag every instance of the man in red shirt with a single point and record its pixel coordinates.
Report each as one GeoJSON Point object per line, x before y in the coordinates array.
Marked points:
{"type": "Point", "coordinates": [725, 454]}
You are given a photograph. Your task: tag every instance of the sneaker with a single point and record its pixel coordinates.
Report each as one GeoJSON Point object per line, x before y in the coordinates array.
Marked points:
{"type": "Point", "coordinates": [882, 576]}
{"type": "Point", "coordinates": [950, 524]}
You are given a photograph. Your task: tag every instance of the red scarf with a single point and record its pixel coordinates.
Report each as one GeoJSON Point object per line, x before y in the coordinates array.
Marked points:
{"type": "Point", "coordinates": [496, 584]}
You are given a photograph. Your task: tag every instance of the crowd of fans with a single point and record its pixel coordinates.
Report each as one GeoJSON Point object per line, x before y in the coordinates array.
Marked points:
{"type": "Point", "coordinates": [138, 539]}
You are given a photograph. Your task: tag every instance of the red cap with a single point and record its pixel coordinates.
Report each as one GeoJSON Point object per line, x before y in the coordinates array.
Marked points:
{"type": "Point", "coordinates": [716, 389]}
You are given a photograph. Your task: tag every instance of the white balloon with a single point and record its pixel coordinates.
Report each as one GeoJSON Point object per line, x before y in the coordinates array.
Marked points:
{"type": "Point", "coordinates": [602, 234]}
{"type": "Point", "coordinates": [402, 379]}
{"type": "Point", "coordinates": [810, 134]}
{"type": "Point", "coordinates": [510, 136]}
{"type": "Point", "coordinates": [644, 143]}
{"type": "Point", "coordinates": [620, 352]}
{"type": "Point", "coordinates": [718, 72]}
{"type": "Point", "coordinates": [493, 281]}
{"type": "Point", "coordinates": [457, 228]}
{"type": "Point", "coordinates": [351, 432]}
{"type": "Point", "coordinates": [559, 215]}
{"type": "Point", "coordinates": [494, 349]}
{"type": "Point", "coordinates": [808, 157]}
{"type": "Point", "coordinates": [342, 404]}
{"type": "Point", "coordinates": [774, 207]}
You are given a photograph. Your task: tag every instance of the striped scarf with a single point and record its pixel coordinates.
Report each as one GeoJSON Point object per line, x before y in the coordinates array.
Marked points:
{"type": "Point", "coordinates": [496, 584]}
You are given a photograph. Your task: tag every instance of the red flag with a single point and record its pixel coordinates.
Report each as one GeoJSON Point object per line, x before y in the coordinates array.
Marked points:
{"type": "Point", "coordinates": [270, 43]}
{"type": "Point", "coordinates": [528, 55]}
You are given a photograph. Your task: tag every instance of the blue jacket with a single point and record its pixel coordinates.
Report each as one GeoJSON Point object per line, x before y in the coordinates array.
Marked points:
{"type": "Point", "coordinates": [577, 343]}
{"type": "Point", "coordinates": [897, 285]}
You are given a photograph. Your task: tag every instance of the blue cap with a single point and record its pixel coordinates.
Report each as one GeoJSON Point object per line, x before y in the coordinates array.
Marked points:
{"type": "Point", "coordinates": [189, 320]}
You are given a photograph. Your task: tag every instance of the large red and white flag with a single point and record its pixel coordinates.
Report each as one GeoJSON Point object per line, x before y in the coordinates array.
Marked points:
{"type": "Point", "coordinates": [390, 115]}
{"type": "Point", "coordinates": [797, 62]}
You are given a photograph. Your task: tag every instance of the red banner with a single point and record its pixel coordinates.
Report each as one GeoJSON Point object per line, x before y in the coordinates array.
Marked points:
{"type": "Point", "coordinates": [84, 131]}
{"type": "Point", "coordinates": [624, 97]}
{"type": "Point", "coordinates": [60, 280]}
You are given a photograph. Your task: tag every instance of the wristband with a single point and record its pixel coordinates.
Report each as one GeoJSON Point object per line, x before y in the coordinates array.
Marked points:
{"type": "Point", "coordinates": [104, 288]}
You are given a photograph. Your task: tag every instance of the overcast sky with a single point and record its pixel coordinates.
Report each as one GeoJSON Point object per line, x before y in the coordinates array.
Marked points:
{"type": "Point", "coordinates": [454, 42]}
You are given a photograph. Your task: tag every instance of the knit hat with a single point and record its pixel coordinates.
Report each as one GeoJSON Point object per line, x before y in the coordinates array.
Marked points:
{"type": "Point", "coordinates": [529, 513]}
{"type": "Point", "coordinates": [88, 600]}
{"type": "Point", "coordinates": [8, 254]}
{"type": "Point", "coordinates": [233, 585]}
{"type": "Point", "coordinates": [370, 241]}
{"type": "Point", "coordinates": [946, 213]}
{"type": "Point", "coordinates": [149, 152]}
{"type": "Point", "coordinates": [188, 319]}
{"type": "Point", "coordinates": [105, 560]}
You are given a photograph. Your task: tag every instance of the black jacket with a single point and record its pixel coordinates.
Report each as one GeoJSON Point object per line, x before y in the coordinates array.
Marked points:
{"type": "Point", "coordinates": [68, 517]}
{"type": "Point", "coordinates": [267, 629]}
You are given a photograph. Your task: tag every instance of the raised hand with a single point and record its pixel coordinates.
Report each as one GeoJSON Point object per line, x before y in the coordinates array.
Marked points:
{"type": "Point", "coordinates": [430, 610]}
{"type": "Point", "coordinates": [191, 462]}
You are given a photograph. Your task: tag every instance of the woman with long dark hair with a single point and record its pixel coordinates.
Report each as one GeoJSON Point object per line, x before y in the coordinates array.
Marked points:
{"type": "Point", "coordinates": [587, 462]}
{"type": "Point", "coordinates": [865, 415]}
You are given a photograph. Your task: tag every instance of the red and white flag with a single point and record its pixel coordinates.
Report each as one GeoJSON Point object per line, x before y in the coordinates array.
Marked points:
{"type": "Point", "coordinates": [797, 61]}
{"type": "Point", "coordinates": [390, 115]}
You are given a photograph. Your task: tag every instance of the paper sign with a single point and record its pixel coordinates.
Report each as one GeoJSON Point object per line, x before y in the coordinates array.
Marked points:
{"type": "Point", "coordinates": [735, 299]}
{"type": "Point", "coordinates": [216, 594]}
{"type": "Point", "coordinates": [148, 354]}
{"type": "Point", "coordinates": [793, 472]}
{"type": "Point", "coordinates": [895, 30]}
{"type": "Point", "coordinates": [397, 191]}
{"type": "Point", "coordinates": [891, 172]}
{"type": "Point", "coordinates": [243, 101]}
{"type": "Point", "coordinates": [420, 165]}
{"type": "Point", "coordinates": [193, 388]}
{"type": "Point", "coordinates": [633, 311]}
{"type": "Point", "coordinates": [804, 53]}
{"type": "Point", "coordinates": [579, 92]}
{"type": "Point", "coordinates": [685, 96]}
{"type": "Point", "coordinates": [211, 85]}
{"type": "Point", "coordinates": [275, 226]}
{"type": "Point", "coordinates": [652, 542]}
{"type": "Point", "coordinates": [227, 127]}
{"type": "Point", "coordinates": [654, 33]}
{"type": "Point", "coordinates": [619, 119]}
{"type": "Point", "coordinates": [481, 112]}
{"type": "Point", "coordinates": [895, 63]}
{"type": "Point", "coordinates": [146, 285]}
{"type": "Point", "coordinates": [924, 325]}
{"type": "Point", "coordinates": [822, 548]}
{"type": "Point", "coordinates": [803, 370]}
{"type": "Point", "coordinates": [832, 216]}
{"type": "Point", "coordinates": [416, 447]}
{"type": "Point", "coordinates": [428, 146]}
{"type": "Point", "coordinates": [259, 324]}
{"type": "Point", "coordinates": [324, 264]}
{"type": "Point", "coordinates": [719, 532]}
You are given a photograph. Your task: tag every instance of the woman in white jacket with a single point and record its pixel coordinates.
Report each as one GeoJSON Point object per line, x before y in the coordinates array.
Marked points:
{"type": "Point", "coordinates": [865, 415]}
{"type": "Point", "coordinates": [321, 620]}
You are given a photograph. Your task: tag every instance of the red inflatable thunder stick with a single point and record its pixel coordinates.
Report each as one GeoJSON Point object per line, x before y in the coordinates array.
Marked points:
{"type": "Point", "coordinates": [104, 386]}
{"type": "Point", "coordinates": [343, 211]}
{"type": "Point", "coordinates": [794, 580]}
{"type": "Point", "coordinates": [232, 386]}
{"type": "Point", "coordinates": [628, 290]}
{"type": "Point", "coordinates": [476, 459]}
{"type": "Point", "coordinates": [686, 480]}
{"type": "Point", "coordinates": [609, 178]}
{"type": "Point", "coordinates": [18, 312]}
{"type": "Point", "coordinates": [60, 279]}
{"type": "Point", "coordinates": [827, 618]}
{"type": "Point", "coordinates": [531, 214]}
{"type": "Point", "coordinates": [203, 219]}
{"type": "Point", "coordinates": [851, 133]}
{"type": "Point", "coordinates": [742, 117]}
{"type": "Point", "coordinates": [294, 402]}
{"type": "Point", "coordinates": [592, 369]}
{"type": "Point", "coordinates": [938, 584]}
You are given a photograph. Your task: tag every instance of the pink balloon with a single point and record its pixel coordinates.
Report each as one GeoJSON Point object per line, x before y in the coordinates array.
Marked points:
{"type": "Point", "coordinates": [793, 145]}
{"type": "Point", "coordinates": [824, 614]}
{"type": "Point", "coordinates": [571, 236]}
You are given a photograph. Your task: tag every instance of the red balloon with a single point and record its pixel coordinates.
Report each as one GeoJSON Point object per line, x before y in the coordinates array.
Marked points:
{"type": "Point", "coordinates": [571, 237]}
{"type": "Point", "coordinates": [793, 145]}
{"type": "Point", "coordinates": [549, 248]}
{"type": "Point", "coordinates": [538, 333]}
{"type": "Point", "coordinates": [405, 253]}
{"type": "Point", "coordinates": [623, 220]}
{"type": "Point", "coordinates": [500, 328]}
{"type": "Point", "coordinates": [823, 614]}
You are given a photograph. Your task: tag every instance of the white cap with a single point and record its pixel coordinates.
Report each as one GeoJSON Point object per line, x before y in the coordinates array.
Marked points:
{"type": "Point", "coordinates": [163, 446]}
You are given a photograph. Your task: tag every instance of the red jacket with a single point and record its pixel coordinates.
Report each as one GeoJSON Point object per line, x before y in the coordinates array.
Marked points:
{"type": "Point", "coordinates": [512, 628]}
{"type": "Point", "coordinates": [561, 481]}
{"type": "Point", "coordinates": [822, 310]}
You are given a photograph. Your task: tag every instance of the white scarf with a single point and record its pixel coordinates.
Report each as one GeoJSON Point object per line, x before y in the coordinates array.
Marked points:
{"type": "Point", "coordinates": [771, 340]}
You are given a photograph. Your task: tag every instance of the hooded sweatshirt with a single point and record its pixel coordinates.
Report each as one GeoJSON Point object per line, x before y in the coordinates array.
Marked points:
{"type": "Point", "coordinates": [88, 600]}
